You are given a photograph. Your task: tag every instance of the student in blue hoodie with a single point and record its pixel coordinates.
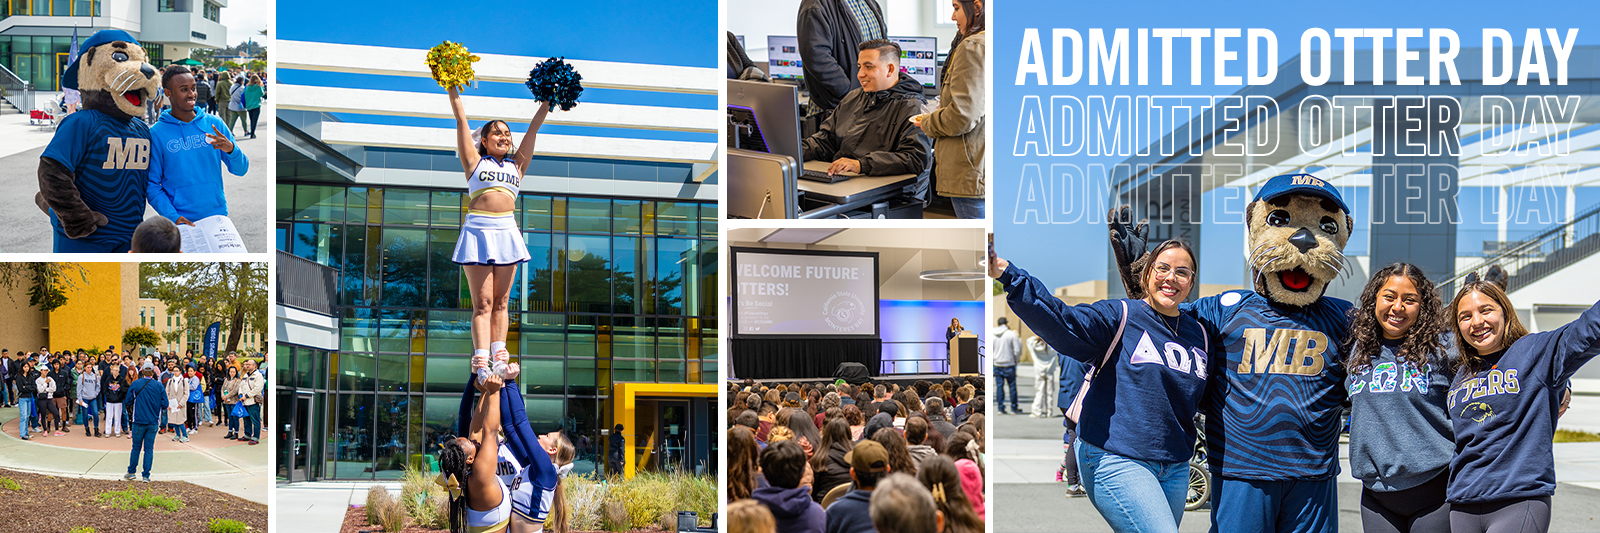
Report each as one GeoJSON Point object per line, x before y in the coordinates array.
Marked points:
{"type": "Point", "coordinates": [1503, 406]}
{"type": "Point", "coordinates": [1402, 357]}
{"type": "Point", "coordinates": [190, 146]}
{"type": "Point", "coordinates": [1152, 375]}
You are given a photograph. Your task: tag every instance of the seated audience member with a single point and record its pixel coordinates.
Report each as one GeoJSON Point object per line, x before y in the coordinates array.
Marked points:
{"type": "Point", "coordinates": [851, 512]}
{"type": "Point", "coordinates": [871, 133]}
{"type": "Point", "coordinates": [900, 504]}
{"type": "Point", "coordinates": [916, 434]}
{"type": "Point", "coordinates": [749, 516]}
{"type": "Point", "coordinates": [783, 464]}
{"type": "Point", "coordinates": [156, 235]}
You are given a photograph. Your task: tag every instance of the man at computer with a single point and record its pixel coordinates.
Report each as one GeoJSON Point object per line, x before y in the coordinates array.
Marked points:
{"type": "Point", "coordinates": [830, 32]}
{"type": "Point", "coordinates": [871, 133]}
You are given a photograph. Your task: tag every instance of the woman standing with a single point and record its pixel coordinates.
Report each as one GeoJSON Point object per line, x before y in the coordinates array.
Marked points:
{"type": "Point", "coordinates": [177, 399]}
{"type": "Point", "coordinates": [954, 329]}
{"type": "Point", "coordinates": [491, 246]}
{"type": "Point", "coordinates": [89, 394]}
{"type": "Point", "coordinates": [1400, 437]}
{"type": "Point", "coordinates": [45, 387]}
{"type": "Point", "coordinates": [1503, 405]}
{"type": "Point", "coordinates": [1138, 475]}
{"type": "Point", "coordinates": [253, 94]}
{"type": "Point", "coordinates": [230, 396]}
{"type": "Point", "coordinates": [196, 399]}
{"type": "Point", "coordinates": [957, 125]}
{"type": "Point", "coordinates": [214, 378]}
{"type": "Point", "coordinates": [115, 390]}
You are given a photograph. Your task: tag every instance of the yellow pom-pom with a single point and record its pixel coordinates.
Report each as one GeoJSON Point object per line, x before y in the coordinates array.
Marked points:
{"type": "Point", "coordinates": [451, 64]}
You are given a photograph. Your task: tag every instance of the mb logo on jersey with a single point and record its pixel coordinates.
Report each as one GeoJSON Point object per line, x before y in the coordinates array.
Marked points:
{"type": "Point", "coordinates": [1288, 351]}
{"type": "Point", "coordinates": [123, 154]}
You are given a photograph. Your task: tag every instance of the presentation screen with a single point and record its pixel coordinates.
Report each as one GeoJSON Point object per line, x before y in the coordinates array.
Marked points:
{"type": "Point", "coordinates": [919, 57]}
{"type": "Point", "coordinates": [803, 292]}
{"type": "Point", "coordinates": [783, 58]}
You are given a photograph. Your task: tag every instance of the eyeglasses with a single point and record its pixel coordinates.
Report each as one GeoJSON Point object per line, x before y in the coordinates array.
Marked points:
{"type": "Point", "coordinates": [1181, 274]}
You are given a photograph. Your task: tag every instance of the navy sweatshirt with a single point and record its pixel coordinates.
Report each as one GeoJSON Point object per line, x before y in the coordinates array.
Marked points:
{"type": "Point", "coordinates": [1276, 396]}
{"type": "Point", "coordinates": [1150, 391]}
{"type": "Point", "coordinates": [1505, 414]}
{"type": "Point", "coordinates": [1400, 435]}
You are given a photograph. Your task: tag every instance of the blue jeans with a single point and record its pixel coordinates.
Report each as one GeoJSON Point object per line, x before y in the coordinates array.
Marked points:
{"type": "Point", "coordinates": [24, 415]}
{"type": "Point", "coordinates": [1005, 376]}
{"type": "Point", "coordinates": [967, 207]}
{"type": "Point", "coordinates": [90, 416]}
{"type": "Point", "coordinates": [181, 430]}
{"type": "Point", "coordinates": [233, 421]}
{"type": "Point", "coordinates": [144, 438]}
{"type": "Point", "coordinates": [5, 392]}
{"type": "Point", "coordinates": [252, 425]}
{"type": "Point", "coordinates": [1133, 495]}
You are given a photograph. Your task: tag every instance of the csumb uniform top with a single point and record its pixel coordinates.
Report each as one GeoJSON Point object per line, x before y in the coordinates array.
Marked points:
{"type": "Point", "coordinates": [1142, 404]}
{"type": "Point", "coordinates": [1505, 414]}
{"type": "Point", "coordinates": [1273, 412]}
{"type": "Point", "coordinates": [491, 238]}
{"type": "Point", "coordinates": [111, 160]}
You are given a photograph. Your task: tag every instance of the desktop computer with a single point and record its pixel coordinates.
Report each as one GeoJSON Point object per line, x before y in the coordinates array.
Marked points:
{"type": "Point", "coordinates": [783, 59]}
{"type": "Point", "coordinates": [919, 58]}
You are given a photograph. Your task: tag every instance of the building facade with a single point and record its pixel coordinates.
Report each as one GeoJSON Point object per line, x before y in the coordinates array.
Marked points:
{"type": "Point", "coordinates": [36, 35]}
{"type": "Point", "coordinates": [153, 314]}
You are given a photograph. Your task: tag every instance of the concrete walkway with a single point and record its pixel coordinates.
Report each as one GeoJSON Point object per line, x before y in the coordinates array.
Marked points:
{"type": "Point", "coordinates": [319, 507]}
{"type": "Point", "coordinates": [238, 470]}
{"type": "Point", "coordinates": [1026, 452]}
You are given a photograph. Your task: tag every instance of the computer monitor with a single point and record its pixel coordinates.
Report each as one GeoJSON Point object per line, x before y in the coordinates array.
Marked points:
{"type": "Point", "coordinates": [774, 109]}
{"type": "Point", "coordinates": [919, 58]}
{"type": "Point", "coordinates": [741, 40]}
{"type": "Point", "coordinates": [783, 58]}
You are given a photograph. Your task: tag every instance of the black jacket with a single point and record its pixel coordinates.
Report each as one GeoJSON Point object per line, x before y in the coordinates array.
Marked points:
{"type": "Point", "coordinates": [26, 386]}
{"type": "Point", "coordinates": [836, 473]}
{"type": "Point", "coordinates": [66, 386]}
{"type": "Point", "coordinates": [876, 129]}
{"type": "Point", "coordinates": [114, 394]}
{"type": "Point", "coordinates": [828, 40]}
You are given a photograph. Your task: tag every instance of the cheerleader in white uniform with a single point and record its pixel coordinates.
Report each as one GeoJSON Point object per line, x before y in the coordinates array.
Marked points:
{"type": "Point", "coordinates": [480, 502]}
{"type": "Point", "coordinates": [529, 464]}
{"type": "Point", "coordinates": [491, 246]}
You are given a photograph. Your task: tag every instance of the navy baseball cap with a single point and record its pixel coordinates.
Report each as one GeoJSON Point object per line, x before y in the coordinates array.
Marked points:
{"type": "Point", "coordinates": [1300, 184]}
{"type": "Point", "coordinates": [69, 79]}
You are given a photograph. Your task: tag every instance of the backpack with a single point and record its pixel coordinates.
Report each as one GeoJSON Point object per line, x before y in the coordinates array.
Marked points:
{"type": "Point", "coordinates": [203, 90]}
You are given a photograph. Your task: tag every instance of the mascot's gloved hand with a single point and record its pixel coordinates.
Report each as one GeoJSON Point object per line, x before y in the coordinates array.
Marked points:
{"type": "Point", "coordinates": [1128, 244]}
{"type": "Point", "coordinates": [58, 186]}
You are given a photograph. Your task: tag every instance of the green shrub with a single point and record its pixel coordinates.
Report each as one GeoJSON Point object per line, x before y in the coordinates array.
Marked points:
{"type": "Point", "coordinates": [134, 499]}
{"type": "Point", "coordinates": [615, 516]}
{"type": "Point", "coordinates": [645, 496]}
{"type": "Point", "coordinates": [585, 496]}
{"type": "Point", "coordinates": [223, 525]}
{"type": "Point", "coordinates": [9, 484]}
{"type": "Point", "coordinates": [391, 515]}
{"type": "Point", "coordinates": [438, 514]}
{"type": "Point", "coordinates": [416, 493]}
{"type": "Point", "coordinates": [695, 493]}
{"type": "Point", "coordinates": [83, 529]}
{"type": "Point", "coordinates": [376, 495]}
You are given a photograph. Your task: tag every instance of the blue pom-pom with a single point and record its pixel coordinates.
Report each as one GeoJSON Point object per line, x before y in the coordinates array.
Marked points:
{"type": "Point", "coordinates": [556, 82]}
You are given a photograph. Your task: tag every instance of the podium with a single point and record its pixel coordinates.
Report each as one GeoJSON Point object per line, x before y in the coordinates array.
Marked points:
{"type": "Point", "coordinates": [964, 355]}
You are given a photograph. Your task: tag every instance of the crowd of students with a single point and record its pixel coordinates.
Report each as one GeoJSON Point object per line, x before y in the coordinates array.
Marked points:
{"type": "Point", "coordinates": [841, 458]}
{"type": "Point", "coordinates": [55, 391]}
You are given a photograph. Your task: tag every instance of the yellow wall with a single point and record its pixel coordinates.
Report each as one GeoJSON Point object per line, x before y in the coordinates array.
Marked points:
{"type": "Point", "coordinates": [22, 326]}
{"type": "Point", "coordinates": [625, 401]}
{"type": "Point", "coordinates": [96, 307]}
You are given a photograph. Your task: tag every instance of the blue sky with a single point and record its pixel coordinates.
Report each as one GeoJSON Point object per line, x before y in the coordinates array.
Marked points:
{"type": "Point", "coordinates": [633, 31]}
{"type": "Point", "coordinates": [1062, 254]}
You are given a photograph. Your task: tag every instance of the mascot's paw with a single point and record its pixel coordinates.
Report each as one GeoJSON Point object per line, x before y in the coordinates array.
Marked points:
{"type": "Point", "coordinates": [78, 229]}
{"type": "Point", "coordinates": [1128, 244]}
{"type": "Point", "coordinates": [38, 199]}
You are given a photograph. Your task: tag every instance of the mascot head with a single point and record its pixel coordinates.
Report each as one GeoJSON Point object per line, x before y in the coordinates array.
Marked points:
{"type": "Point", "coordinates": [1298, 225]}
{"type": "Point", "coordinates": [113, 74]}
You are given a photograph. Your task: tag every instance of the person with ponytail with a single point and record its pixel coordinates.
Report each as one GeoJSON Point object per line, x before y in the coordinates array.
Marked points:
{"type": "Point", "coordinates": [963, 450]}
{"type": "Point", "coordinates": [940, 475]}
{"type": "Point", "coordinates": [479, 500]}
{"type": "Point", "coordinates": [1400, 366]}
{"type": "Point", "coordinates": [1503, 405]}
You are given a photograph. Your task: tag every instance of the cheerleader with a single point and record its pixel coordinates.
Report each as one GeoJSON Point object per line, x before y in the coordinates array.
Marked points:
{"type": "Point", "coordinates": [491, 246]}
{"type": "Point", "coordinates": [530, 465]}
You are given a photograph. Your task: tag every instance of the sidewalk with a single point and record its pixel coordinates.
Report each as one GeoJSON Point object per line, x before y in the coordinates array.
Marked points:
{"type": "Point", "coordinates": [1027, 452]}
{"type": "Point", "coordinates": [249, 197]}
{"type": "Point", "coordinates": [240, 470]}
{"type": "Point", "coordinates": [319, 507]}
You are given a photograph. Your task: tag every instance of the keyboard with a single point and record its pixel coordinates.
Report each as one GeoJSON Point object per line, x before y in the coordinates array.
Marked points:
{"type": "Point", "coordinates": [822, 176]}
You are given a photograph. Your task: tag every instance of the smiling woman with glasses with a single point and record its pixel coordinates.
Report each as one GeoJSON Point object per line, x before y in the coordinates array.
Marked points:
{"type": "Point", "coordinates": [1135, 413]}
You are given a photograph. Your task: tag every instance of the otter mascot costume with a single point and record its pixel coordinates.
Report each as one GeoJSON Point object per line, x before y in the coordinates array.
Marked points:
{"type": "Point", "coordinates": [1275, 400]}
{"type": "Point", "coordinates": [93, 175]}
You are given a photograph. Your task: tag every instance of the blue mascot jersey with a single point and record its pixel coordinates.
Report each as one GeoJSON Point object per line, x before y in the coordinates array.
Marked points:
{"type": "Point", "coordinates": [111, 160]}
{"type": "Point", "coordinates": [1274, 406]}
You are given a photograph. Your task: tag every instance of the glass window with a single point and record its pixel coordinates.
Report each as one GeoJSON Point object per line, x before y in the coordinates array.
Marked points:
{"type": "Point", "coordinates": [633, 370]}
{"type": "Point", "coordinates": [352, 428]}
{"type": "Point", "coordinates": [315, 242]}
{"type": "Point", "coordinates": [61, 8]}
{"type": "Point", "coordinates": [317, 203]}
{"type": "Point", "coordinates": [534, 288]}
{"type": "Point", "coordinates": [392, 415]}
{"type": "Point", "coordinates": [405, 207]}
{"type": "Point", "coordinates": [358, 330]}
{"type": "Point", "coordinates": [675, 261]}
{"type": "Point", "coordinates": [438, 421]}
{"type": "Point", "coordinates": [449, 332]}
{"type": "Point", "coordinates": [670, 338]}
{"type": "Point", "coordinates": [356, 205]}
{"type": "Point", "coordinates": [310, 368]}
{"type": "Point", "coordinates": [213, 12]}
{"type": "Point", "coordinates": [405, 266]}
{"type": "Point", "coordinates": [393, 373]}
{"type": "Point", "coordinates": [356, 371]}
{"type": "Point", "coordinates": [632, 338]}
{"type": "Point", "coordinates": [588, 274]}
{"type": "Point", "coordinates": [448, 374]}
{"type": "Point", "coordinates": [588, 215]}
{"type": "Point", "coordinates": [447, 208]}
{"type": "Point", "coordinates": [285, 201]}
{"type": "Point", "coordinates": [353, 269]}
{"type": "Point", "coordinates": [630, 273]}
{"type": "Point", "coordinates": [401, 330]}
{"type": "Point", "coordinates": [703, 295]}
{"type": "Point", "coordinates": [625, 217]}
{"type": "Point", "coordinates": [542, 376]}
{"type": "Point", "coordinates": [670, 372]}
{"type": "Point", "coordinates": [447, 288]}
{"type": "Point", "coordinates": [708, 221]}
{"type": "Point", "coordinates": [287, 363]}
{"type": "Point", "coordinates": [535, 212]}
{"type": "Point", "coordinates": [581, 376]}
{"type": "Point", "coordinates": [542, 335]}
{"type": "Point", "coordinates": [676, 218]}
{"type": "Point", "coordinates": [544, 414]}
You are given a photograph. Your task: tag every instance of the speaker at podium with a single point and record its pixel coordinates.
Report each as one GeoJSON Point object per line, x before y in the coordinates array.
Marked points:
{"type": "Point", "coordinates": [964, 354]}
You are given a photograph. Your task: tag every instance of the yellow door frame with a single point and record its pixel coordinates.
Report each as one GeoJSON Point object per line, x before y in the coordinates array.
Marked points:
{"type": "Point", "coordinates": [624, 403]}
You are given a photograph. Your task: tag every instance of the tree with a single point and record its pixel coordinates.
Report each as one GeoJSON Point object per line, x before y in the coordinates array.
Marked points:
{"type": "Point", "coordinates": [232, 293]}
{"type": "Point", "coordinates": [48, 282]}
{"type": "Point", "coordinates": [138, 336]}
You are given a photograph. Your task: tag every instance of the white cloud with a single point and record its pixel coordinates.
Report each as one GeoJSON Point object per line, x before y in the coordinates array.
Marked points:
{"type": "Point", "coordinates": [246, 18]}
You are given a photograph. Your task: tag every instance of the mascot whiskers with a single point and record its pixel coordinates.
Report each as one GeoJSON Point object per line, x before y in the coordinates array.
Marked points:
{"type": "Point", "coordinates": [1275, 401]}
{"type": "Point", "coordinates": [93, 174]}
